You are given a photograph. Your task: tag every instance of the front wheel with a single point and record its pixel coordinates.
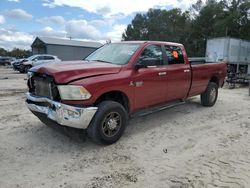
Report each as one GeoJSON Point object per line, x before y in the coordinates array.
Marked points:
{"type": "Point", "coordinates": [26, 68]}
{"type": "Point", "coordinates": [22, 69]}
{"type": "Point", "coordinates": [209, 97]}
{"type": "Point", "coordinates": [108, 124]}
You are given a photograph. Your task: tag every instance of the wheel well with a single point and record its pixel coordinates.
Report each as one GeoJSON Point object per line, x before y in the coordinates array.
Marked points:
{"type": "Point", "coordinates": [215, 80]}
{"type": "Point", "coordinates": [116, 96]}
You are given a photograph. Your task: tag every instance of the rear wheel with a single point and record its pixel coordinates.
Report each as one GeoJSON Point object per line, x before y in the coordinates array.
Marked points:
{"type": "Point", "coordinates": [209, 97]}
{"type": "Point", "coordinates": [108, 124]}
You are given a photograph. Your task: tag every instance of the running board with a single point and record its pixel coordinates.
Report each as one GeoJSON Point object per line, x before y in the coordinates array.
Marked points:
{"type": "Point", "coordinates": [145, 112]}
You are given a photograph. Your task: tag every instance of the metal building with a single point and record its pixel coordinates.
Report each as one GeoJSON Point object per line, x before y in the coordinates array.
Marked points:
{"type": "Point", "coordinates": [64, 49]}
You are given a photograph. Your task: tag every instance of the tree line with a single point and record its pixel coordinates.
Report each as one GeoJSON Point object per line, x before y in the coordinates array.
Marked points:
{"type": "Point", "coordinates": [224, 18]}
{"type": "Point", "coordinates": [15, 52]}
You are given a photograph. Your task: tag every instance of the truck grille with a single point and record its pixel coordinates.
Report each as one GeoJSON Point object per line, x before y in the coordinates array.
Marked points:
{"type": "Point", "coordinates": [43, 86]}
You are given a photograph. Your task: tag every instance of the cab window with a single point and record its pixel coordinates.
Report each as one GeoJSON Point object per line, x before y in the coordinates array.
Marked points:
{"type": "Point", "coordinates": [49, 58]}
{"type": "Point", "coordinates": [151, 56]}
{"type": "Point", "coordinates": [38, 58]}
{"type": "Point", "coordinates": [174, 55]}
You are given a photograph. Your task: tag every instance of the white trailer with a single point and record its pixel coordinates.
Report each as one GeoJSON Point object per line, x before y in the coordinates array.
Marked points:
{"type": "Point", "coordinates": [235, 52]}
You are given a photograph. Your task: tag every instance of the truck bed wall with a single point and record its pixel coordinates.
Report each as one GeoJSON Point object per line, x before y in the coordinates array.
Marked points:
{"type": "Point", "coordinates": [203, 73]}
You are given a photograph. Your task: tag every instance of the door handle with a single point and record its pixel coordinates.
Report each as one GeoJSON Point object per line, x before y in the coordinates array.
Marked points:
{"type": "Point", "coordinates": [186, 70]}
{"type": "Point", "coordinates": [162, 73]}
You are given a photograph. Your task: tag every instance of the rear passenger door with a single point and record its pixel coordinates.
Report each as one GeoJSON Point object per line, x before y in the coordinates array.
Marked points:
{"type": "Point", "coordinates": [178, 79]}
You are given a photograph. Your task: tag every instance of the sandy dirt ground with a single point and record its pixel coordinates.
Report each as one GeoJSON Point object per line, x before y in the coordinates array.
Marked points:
{"type": "Point", "coordinates": [185, 146]}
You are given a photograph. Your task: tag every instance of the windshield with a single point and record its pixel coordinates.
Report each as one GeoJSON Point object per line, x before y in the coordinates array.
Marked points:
{"type": "Point", "coordinates": [31, 57]}
{"type": "Point", "coordinates": [115, 53]}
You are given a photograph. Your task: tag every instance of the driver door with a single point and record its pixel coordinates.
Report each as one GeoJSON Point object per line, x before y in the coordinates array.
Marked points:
{"type": "Point", "coordinates": [150, 82]}
{"type": "Point", "coordinates": [38, 60]}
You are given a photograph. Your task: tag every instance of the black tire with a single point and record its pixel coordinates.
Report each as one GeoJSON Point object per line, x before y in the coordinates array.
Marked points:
{"type": "Point", "coordinates": [21, 69]}
{"type": "Point", "coordinates": [209, 97]}
{"type": "Point", "coordinates": [26, 68]}
{"type": "Point", "coordinates": [100, 129]}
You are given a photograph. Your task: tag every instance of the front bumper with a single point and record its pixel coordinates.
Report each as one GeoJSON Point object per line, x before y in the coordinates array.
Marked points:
{"type": "Point", "coordinates": [66, 115]}
{"type": "Point", "coordinates": [16, 66]}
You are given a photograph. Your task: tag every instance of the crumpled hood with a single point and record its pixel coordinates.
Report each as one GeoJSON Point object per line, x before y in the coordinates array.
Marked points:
{"type": "Point", "coordinates": [67, 71]}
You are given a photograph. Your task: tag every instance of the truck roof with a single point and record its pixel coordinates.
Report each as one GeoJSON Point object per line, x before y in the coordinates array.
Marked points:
{"type": "Point", "coordinates": [151, 42]}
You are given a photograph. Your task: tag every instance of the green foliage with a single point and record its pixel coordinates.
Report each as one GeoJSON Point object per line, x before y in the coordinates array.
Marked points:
{"type": "Point", "coordinates": [3, 52]}
{"type": "Point", "coordinates": [192, 28]}
{"type": "Point", "coordinates": [15, 52]}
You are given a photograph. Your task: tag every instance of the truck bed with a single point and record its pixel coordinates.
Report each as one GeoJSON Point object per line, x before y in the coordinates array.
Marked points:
{"type": "Point", "coordinates": [201, 75]}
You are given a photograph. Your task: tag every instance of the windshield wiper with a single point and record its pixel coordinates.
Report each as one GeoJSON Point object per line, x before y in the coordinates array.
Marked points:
{"type": "Point", "coordinates": [98, 60]}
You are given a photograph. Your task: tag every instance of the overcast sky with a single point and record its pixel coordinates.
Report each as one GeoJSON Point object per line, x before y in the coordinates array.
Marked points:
{"type": "Point", "coordinates": [97, 20]}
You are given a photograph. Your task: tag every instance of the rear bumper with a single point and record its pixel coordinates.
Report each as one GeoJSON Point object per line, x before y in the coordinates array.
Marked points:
{"type": "Point", "coordinates": [66, 115]}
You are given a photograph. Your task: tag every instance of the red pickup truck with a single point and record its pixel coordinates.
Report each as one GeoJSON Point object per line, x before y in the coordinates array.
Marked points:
{"type": "Point", "coordinates": [115, 82]}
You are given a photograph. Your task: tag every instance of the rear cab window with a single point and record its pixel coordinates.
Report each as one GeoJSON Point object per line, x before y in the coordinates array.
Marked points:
{"type": "Point", "coordinates": [174, 55]}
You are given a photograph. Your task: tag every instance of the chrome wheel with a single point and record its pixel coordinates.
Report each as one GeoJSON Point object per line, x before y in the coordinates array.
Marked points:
{"type": "Point", "coordinates": [209, 96]}
{"type": "Point", "coordinates": [111, 124]}
{"type": "Point", "coordinates": [212, 95]}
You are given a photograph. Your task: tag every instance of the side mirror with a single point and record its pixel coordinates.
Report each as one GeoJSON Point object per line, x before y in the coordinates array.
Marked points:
{"type": "Point", "coordinates": [140, 66]}
{"type": "Point", "coordinates": [144, 63]}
